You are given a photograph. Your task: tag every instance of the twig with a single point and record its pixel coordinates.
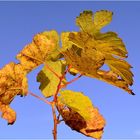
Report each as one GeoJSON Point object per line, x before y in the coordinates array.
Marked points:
{"type": "Point", "coordinates": [73, 80]}
{"type": "Point", "coordinates": [44, 100]}
{"type": "Point", "coordinates": [55, 121]}
{"type": "Point", "coordinates": [59, 84]}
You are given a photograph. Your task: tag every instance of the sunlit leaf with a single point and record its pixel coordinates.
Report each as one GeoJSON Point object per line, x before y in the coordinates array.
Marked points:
{"type": "Point", "coordinates": [76, 101]}
{"type": "Point", "coordinates": [13, 82]}
{"type": "Point", "coordinates": [92, 127]}
{"type": "Point", "coordinates": [81, 62]}
{"type": "Point", "coordinates": [121, 68]}
{"type": "Point", "coordinates": [35, 53]}
{"type": "Point", "coordinates": [102, 18]}
{"type": "Point", "coordinates": [49, 81]}
{"type": "Point", "coordinates": [88, 52]}
{"type": "Point", "coordinates": [7, 113]}
{"type": "Point", "coordinates": [92, 23]}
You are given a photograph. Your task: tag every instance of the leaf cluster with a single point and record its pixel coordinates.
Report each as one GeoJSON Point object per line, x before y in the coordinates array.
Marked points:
{"type": "Point", "coordinates": [84, 52]}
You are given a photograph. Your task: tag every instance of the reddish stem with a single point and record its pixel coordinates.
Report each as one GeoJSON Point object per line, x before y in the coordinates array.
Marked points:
{"type": "Point", "coordinates": [55, 122]}
{"type": "Point", "coordinates": [59, 84]}
{"type": "Point", "coordinates": [73, 80]}
{"type": "Point", "coordinates": [43, 99]}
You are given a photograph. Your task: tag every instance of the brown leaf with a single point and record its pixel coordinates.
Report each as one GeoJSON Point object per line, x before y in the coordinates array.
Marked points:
{"type": "Point", "coordinates": [92, 127]}
{"type": "Point", "coordinates": [12, 82]}
{"type": "Point", "coordinates": [7, 113]}
{"type": "Point", "coordinates": [38, 50]}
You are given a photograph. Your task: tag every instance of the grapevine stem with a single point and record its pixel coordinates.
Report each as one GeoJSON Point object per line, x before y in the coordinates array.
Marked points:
{"type": "Point", "coordinates": [59, 84]}
{"type": "Point", "coordinates": [54, 121]}
{"type": "Point", "coordinates": [73, 80]}
{"type": "Point", "coordinates": [43, 99]}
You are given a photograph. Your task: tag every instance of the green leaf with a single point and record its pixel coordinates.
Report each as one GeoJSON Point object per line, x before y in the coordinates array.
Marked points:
{"type": "Point", "coordinates": [49, 81]}
{"type": "Point", "coordinates": [76, 101]}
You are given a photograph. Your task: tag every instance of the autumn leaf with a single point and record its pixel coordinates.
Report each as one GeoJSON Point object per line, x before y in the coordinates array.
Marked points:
{"type": "Point", "coordinates": [81, 61]}
{"type": "Point", "coordinates": [49, 81]}
{"type": "Point", "coordinates": [92, 23]}
{"type": "Point", "coordinates": [43, 45]}
{"type": "Point", "coordinates": [92, 127]}
{"type": "Point", "coordinates": [88, 52]}
{"type": "Point", "coordinates": [13, 82]}
{"type": "Point", "coordinates": [7, 113]}
{"type": "Point", "coordinates": [76, 101]}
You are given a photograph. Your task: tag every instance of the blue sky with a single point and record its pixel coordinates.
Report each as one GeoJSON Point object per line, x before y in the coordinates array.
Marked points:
{"type": "Point", "coordinates": [20, 21]}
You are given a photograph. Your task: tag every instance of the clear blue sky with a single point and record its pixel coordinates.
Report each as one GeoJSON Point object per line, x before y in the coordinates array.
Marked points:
{"type": "Point", "coordinates": [20, 21]}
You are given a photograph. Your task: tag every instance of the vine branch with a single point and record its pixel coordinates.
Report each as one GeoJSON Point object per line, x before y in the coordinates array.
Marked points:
{"type": "Point", "coordinates": [38, 97]}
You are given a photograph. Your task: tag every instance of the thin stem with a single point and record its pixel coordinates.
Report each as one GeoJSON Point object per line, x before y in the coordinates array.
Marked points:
{"type": "Point", "coordinates": [43, 99]}
{"type": "Point", "coordinates": [73, 80]}
{"type": "Point", "coordinates": [57, 90]}
{"type": "Point", "coordinates": [59, 84]}
{"type": "Point", "coordinates": [55, 119]}
{"type": "Point", "coordinates": [55, 122]}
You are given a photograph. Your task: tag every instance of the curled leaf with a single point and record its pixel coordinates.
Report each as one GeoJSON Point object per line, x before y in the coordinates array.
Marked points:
{"type": "Point", "coordinates": [7, 113]}
{"type": "Point", "coordinates": [35, 53]}
{"type": "Point", "coordinates": [13, 82]}
{"type": "Point", "coordinates": [92, 127]}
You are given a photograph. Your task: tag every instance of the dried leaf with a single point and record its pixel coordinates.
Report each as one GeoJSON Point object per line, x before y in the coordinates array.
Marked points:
{"type": "Point", "coordinates": [13, 82]}
{"type": "Point", "coordinates": [7, 113]}
{"type": "Point", "coordinates": [92, 127]}
{"type": "Point", "coordinates": [35, 53]}
{"type": "Point", "coordinates": [49, 81]}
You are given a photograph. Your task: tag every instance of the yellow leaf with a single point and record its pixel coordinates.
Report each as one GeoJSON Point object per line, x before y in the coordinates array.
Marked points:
{"type": "Point", "coordinates": [13, 82]}
{"type": "Point", "coordinates": [92, 23]}
{"type": "Point", "coordinates": [85, 22]}
{"type": "Point", "coordinates": [102, 18]}
{"type": "Point", "coordinates": [76, 101]}
{"type": "Point", "coordinates": [7, 113]}
{"type": "Point", "coordinates": [49, 81]}
{"type": "Point", "coordinates": [35, 53]}
{"type": "Point", "coordinates": [81, 62]}
{"type": "Point", "coordinates": [111, 78]}
{"type": "Point", "coordinates": [92, 127]}
{"type": "Point", "coordinates": [121, 68]}
{"type": "Point", "coordinates": [90, 49]}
